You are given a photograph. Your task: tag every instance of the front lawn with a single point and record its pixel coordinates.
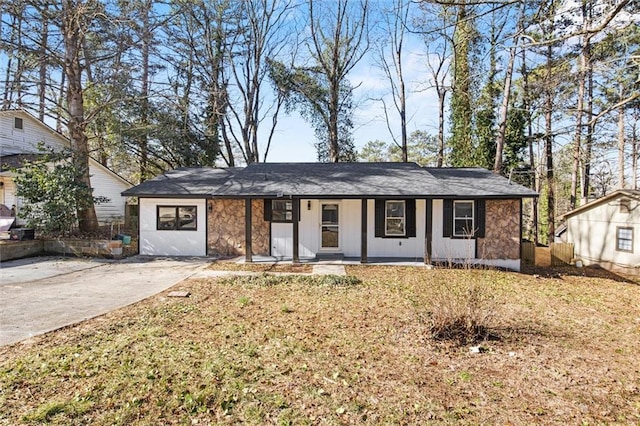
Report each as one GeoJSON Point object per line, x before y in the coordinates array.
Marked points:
{"type": "Point", "coordinates": [560, 348]}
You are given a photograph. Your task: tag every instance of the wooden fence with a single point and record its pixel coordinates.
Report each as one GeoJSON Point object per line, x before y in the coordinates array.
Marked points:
{"type": "Point", "coordinates": [561, 254]}
{"type": "Point", "coordinates": [528, 254]}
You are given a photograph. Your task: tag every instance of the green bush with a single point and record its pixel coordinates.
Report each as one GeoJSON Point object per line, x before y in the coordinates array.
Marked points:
{"type": "Point", "coordinates": [52, 193]}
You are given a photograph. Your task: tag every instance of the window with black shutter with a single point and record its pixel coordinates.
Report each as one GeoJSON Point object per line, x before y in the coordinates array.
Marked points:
{"type": "Point", "coordinates": [395, 218]}
{"type": "Point", "coordinates": [463, 218]}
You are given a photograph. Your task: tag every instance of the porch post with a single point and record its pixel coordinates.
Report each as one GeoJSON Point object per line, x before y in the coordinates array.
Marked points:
{"type": "Point", "coordinates": [363, 234]}
{"type": "Point", "coordinates": [429, 231]}
{"type": "Point", "coordinates": [248, 258]}
{"type": "Point", "coordinates": [296, 230]}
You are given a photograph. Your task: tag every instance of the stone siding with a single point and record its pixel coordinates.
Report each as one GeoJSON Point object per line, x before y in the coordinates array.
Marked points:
{"type": "Point", "coordinates": [502, 231]}
{"type": "Point", "coordinates": [226, 228]}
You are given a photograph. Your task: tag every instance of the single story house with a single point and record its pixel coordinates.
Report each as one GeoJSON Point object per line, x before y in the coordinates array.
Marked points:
{"type": "Point", "coordinates": [20, 134]}
{"type": "Point", "coordinates": [365, 211]}
{"type": "Point", "coordinates": [606, 231]}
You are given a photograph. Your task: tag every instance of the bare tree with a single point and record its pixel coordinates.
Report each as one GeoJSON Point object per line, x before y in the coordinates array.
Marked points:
{"type": "Point", "coordinates": [261, 36]}
{"type": "Point", "coordinates": [439, 43]}
{"type": "Point", "coordinates": [339, 40]}
{"type": "Point", "coordinates": [390, 61]}
{"type": "Point", "coordinates": [75, 18]}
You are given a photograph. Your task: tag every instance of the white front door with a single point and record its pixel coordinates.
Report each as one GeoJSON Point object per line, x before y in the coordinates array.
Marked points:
{"type": "Point", "coordinates": [330, 227]}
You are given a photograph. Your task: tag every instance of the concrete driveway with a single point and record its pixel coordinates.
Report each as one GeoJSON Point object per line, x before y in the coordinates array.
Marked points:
{"type": "Point", "coordinates": [42, 294]}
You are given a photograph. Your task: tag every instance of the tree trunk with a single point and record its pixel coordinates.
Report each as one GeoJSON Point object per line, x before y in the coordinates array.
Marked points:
{"type": "Point", "coordinates": [621, 143]}
{"type": "Point", "coordinates": [442, 94]}
{"type": "Point", "coordinates": [143, 137]}
{"type": "Point", "coordinates": [504, 109]}
{"type": "Point", "coordinates": [634, 155]}
{"type": "Point", "coordinates": [582, 77]}
{"type": "Point", "coordinates": [72, 37]}
{"type": "Point", "coordinates": [530, 139]}
{"type": "Point", "coordinates": [586, 182]}
{"type": "Point", "coordinates": [42, 81]}
{"type": "Point", "coordinates": [548, 115]}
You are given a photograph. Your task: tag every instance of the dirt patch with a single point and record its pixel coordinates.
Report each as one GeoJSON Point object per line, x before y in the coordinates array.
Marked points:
{"type": "Point", "coordinates": [224, 265]}
{"type": "Point", "coordinates": [293, 352]}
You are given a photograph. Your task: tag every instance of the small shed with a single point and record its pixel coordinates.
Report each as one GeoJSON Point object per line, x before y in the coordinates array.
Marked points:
{"type": "Point", "coordinates": [606, 231]}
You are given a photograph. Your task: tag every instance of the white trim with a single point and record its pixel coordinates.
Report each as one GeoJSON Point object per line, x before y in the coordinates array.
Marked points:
{"type": "Point", "coordinates": [338, 226]}
{"type": "Point", "coordinates": [404, 218]}
{"type": "Point", "coordinates": [473, 211]}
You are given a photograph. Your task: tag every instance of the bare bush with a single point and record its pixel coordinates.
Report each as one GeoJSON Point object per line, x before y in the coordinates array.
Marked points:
{"type": "Point", "coordinates": [463, 312]}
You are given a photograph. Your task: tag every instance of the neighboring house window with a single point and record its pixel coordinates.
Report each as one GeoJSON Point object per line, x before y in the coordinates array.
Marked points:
{"type": "Point", "coordinates": [463, 218]}
{"type": "Point", "coordinates": [624, 239]}
{"type": "Point", "coordinates": [17, 123]}
{"type": "Point", "coordinates": [281, 210]}
{"type": "Point", "coordinates": [177, 218]}
{"type": "Point", "coordinates": [395, 218]}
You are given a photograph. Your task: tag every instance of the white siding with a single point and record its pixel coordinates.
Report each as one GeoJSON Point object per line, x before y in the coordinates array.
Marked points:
{"type": "Point", "coordinates": [593, 232]}
{"type": "Point", "coordinates": [446, 249]}
{"type": "Point", "coordinates": [106, 184]}
{"type": "Point", "coordinates": [25, 141]}
{"type": "Point", "coordinates": [396, 247]}
{"type": "Point", "coordinates": [171, 243]}
{"type": "Point", "coordinates": [310, 230]}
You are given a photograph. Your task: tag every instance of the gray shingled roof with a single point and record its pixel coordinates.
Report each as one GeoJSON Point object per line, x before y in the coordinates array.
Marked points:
{"type": "Point", "coordinates": [330, 180]}
{"type": "Point", "coordinates": [478, 182]}
{"type": "Point", "coordinates": [183, 182]}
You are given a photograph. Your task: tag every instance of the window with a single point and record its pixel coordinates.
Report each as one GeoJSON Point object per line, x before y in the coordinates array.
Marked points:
{"type": "Point", "coordinates": [281, 210]}
{"type": "Point", "coordinates": [177, 218]}
{"type": "Point", "coordinates": [394, 220]}
{"type": "Point", "coordinates": [17, 123]}
{"type": "Point", "coordinates": [624, 239]}
{"type": "Point", "coordinates": [463, 218]}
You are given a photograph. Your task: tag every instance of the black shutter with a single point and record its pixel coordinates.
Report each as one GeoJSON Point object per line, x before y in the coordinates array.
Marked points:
{"type": "Point", "coordinates": [480, 218]}
{"type": "Point", "coordinates": [267, 210]}
{"type": "Point", "coordinates": [379, 218]}
{"type": "Point", "coordinates": [411, 217]}
{"type": "Point", "coordinates": [447, 218]}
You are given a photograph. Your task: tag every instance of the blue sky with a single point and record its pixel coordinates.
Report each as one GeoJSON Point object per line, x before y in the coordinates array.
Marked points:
{"type": "Point", "coordinates": [294, 138]}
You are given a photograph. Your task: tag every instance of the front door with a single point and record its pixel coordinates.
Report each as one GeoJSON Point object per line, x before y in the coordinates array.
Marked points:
{"type": "Point", "coordinates": [330, 227]}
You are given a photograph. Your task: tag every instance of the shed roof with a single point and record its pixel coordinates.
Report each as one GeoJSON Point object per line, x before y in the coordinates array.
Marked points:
{"type": "Point", "coordinates": [325, 180]}
{"type": "Point", "coordinates": [620, 193]}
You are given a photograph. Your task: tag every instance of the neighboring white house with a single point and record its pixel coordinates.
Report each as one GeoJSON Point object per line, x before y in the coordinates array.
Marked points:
{"type": "Point", "coordinates": [606, 231]}
{"type": "Point", "coordinates": [20, 134]}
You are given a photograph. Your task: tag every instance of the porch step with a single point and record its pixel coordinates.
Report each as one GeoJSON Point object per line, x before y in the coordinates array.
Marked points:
{"type": "Point", "coordinates": [333, 257]}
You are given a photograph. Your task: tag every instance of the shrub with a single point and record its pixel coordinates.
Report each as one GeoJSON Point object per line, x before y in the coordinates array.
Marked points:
{"type": "Point", "coordinates": [462, 312]}
{"type": "Point", "coordinates": [52, 193]}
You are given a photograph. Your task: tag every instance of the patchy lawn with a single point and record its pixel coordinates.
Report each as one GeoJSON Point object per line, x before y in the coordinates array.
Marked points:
{"type": "Point", "coordinates": [301, 350]}
{"type": "Point", "coordinates": [229, 265]}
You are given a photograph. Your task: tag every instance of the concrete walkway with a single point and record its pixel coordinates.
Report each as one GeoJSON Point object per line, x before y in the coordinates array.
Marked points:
{"type": "Point", "coordinates": [42, 294]}
{"type": "Point", "coordinates": [46, 293]}
{"type": "Point", "coordinates": [329, 269]}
